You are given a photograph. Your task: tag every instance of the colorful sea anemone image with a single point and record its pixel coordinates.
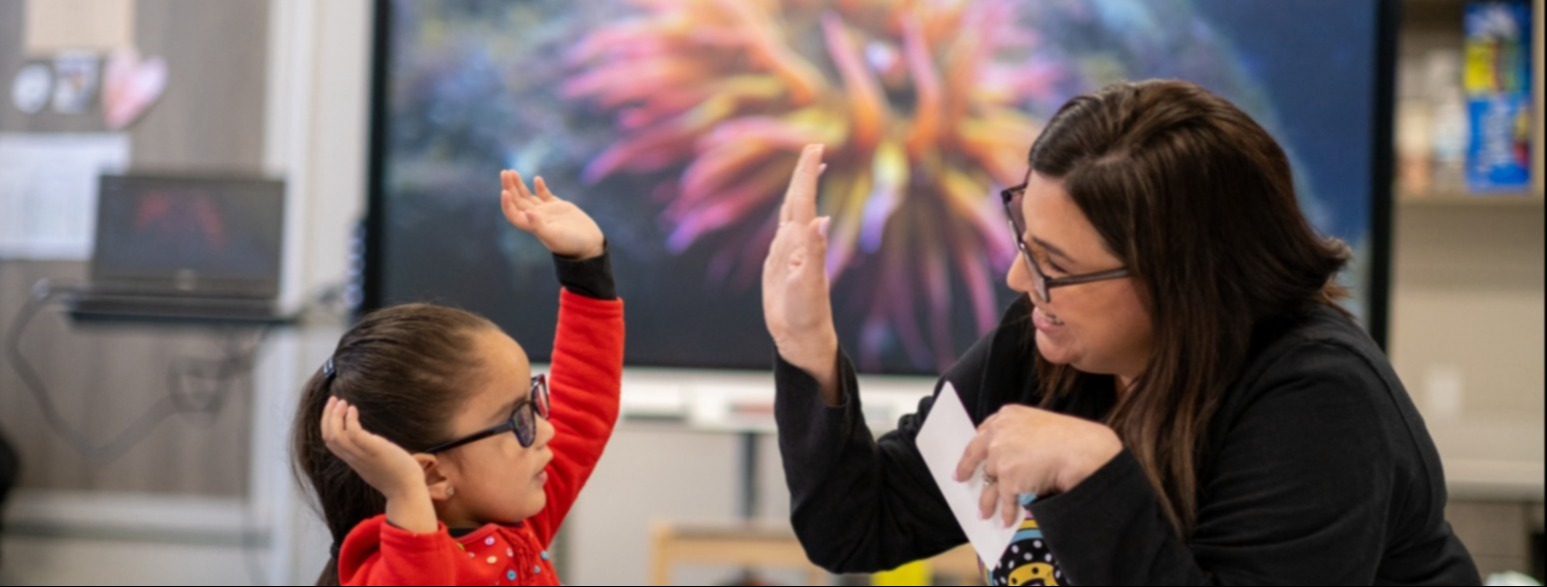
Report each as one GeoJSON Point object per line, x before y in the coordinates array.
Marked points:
{"type": "Point", "coordinates": [926, 110]}
{"type": "Point", "coordinates": [677, 124]}
{"type": "Point", "coordinates": [919, 106]}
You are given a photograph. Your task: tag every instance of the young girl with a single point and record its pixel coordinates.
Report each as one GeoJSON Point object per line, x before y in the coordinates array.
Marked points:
{"type": "Point", "coordinates": [436, 455]}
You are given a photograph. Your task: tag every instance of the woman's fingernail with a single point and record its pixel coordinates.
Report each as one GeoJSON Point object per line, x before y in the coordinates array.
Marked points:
{"type": "Point", "coordinates": [822, 228]}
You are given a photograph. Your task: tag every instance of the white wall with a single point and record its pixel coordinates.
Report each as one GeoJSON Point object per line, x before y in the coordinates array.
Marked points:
{"type": "Point", "coordinates": [1466, 335]}
{"type": "Point", "coordinates": [317, 136]}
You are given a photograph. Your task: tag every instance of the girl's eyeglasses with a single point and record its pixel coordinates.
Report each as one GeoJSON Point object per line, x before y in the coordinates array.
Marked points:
{"type": "Point", "coordinates": [523, 421]}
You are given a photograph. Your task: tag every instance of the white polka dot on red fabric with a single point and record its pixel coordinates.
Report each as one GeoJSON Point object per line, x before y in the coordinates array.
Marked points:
{"type": "Point", "coordinates": [493, 560]}
{"type": "Point", "coordinates": [488, 541]}
{"type": "Point", "coordinates": [510, 552]}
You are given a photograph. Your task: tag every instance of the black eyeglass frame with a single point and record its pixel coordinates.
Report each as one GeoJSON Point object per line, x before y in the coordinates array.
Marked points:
{"type": "Point", "coordinates": [523, 420]}
{"type": "Point", "coordinates": [1041, 283]}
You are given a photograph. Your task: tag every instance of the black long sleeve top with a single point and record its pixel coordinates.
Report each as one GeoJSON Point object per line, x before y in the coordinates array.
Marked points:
{"type": "Point", "coordinates": [1317, 470]}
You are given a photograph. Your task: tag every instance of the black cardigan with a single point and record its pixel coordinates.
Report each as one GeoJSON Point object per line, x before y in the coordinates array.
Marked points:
{"type": "Point", "coordinates": [1318, 471]}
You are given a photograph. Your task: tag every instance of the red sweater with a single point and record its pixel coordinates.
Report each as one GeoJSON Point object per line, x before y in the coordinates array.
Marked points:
{"type": "Point", "coordinates": [585, 380]}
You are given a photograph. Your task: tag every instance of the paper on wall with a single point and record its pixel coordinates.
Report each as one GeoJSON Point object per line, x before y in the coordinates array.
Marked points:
{"type": "Point", "coordinates": [941, 441]}
{"type": "Point", "coordinates": [48, 191]}
{"type": "Point", "coordinates": [61, 25]}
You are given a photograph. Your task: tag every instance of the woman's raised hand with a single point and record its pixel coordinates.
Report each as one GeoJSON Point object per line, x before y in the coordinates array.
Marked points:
{"type": "Point", "coordinates": [797, 302]}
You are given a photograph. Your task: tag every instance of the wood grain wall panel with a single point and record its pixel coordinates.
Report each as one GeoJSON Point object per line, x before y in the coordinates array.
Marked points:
{"type": "Point", "coordinates": [210, 118]}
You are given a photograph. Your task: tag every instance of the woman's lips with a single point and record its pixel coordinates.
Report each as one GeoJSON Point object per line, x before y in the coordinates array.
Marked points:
{"type": "Point", "coordinates": [1045, 321]}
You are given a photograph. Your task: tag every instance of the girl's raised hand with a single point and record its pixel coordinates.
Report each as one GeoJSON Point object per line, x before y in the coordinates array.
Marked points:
{"type": "Point", "coordinates": [560, 225]}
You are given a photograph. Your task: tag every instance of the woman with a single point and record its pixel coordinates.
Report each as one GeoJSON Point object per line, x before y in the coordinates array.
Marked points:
{"type": "Point", "coordinates": [1177, 384]}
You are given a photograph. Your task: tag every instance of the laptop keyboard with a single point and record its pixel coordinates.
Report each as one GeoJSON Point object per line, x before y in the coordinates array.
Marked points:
{"type": "Point", "coordinates": [176, 307]}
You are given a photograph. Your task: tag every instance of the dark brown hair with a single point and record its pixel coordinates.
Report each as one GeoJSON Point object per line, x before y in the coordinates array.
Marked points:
{"type": "Point", "coordinates": [1199, 203]}
{"type": "Point", "coordinates": [406, 368]}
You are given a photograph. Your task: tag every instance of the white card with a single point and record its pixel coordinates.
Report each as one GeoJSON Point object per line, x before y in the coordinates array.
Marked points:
{"type": "Point", "coordinates": [942, 440]}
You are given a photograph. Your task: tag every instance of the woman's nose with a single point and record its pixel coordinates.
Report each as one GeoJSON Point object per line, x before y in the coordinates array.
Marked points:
{"type": "Point", "coordinates": [1019, 277]}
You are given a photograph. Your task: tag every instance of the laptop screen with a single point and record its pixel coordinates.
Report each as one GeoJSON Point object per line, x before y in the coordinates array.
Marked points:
{"type": "Point", "coordinates": [189, 235]}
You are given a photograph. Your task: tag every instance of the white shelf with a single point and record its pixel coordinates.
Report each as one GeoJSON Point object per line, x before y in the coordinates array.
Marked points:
{"type": "Point", "coordinates": [1447, 199]}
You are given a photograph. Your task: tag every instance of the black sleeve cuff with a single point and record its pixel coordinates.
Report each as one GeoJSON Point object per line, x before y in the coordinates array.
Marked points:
{"type": "Point", "coordinates": [1112, 511]}
{"type": "Point", "coordinates": [591, 278]}
{"type": "Point", "coordinates": [1122, 475]}
{"type": "Point", "coordinates": [802, 395]}
{"type": "Point", "coordinates": [812, 434]}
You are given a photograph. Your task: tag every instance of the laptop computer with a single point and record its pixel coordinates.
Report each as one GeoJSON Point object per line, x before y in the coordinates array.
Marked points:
{"type": "Point", "coordinates": [181, 247]}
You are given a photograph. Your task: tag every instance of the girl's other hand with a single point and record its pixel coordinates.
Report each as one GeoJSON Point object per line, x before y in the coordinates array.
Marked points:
{"type": "Point", "coordinates": [384, 465]}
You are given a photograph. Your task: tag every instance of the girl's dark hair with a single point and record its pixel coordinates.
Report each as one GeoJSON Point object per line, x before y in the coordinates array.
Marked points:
{"type": "Point", "coordinates": [1199, 203]}
{"type": "Point", "coordinates": [406, 368]}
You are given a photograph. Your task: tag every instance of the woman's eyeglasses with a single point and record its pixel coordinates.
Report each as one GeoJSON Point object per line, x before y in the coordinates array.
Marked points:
{"type": "Point", "coordinates": [523, 421]}
{"type": "Point", "coordinates": [1043, 285]}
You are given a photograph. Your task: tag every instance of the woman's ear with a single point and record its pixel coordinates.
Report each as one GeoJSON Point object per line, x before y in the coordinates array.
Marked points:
{"type": "Point", "coordinates": [435, 478]}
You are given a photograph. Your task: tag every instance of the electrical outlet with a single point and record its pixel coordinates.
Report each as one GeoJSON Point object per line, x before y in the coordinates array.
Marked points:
{"type": "Point", "coordinates": [1443, 391]}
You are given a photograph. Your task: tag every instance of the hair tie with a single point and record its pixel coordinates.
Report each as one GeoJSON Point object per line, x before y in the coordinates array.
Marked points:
{"type": "Point", "coordinates": [334, 550]}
